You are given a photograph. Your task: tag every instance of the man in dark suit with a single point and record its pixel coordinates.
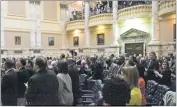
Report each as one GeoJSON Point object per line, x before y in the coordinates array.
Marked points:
{"type": "Point", "coordinates": [42, 86]}
{"type": "Point", "coordinates": [22, 75]}
{"type": "Point", "coordinates": [9, 85]}
{"type": "Point", "coordinates": [29, 68]}
{"type": "Point", "coordinates": [151, 66]}
{"type": "Point", "coordinates": [74, 74]}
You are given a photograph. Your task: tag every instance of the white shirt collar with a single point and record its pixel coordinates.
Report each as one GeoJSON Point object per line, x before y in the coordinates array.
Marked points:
{"type": "Point", "coordinates": [8, 70]}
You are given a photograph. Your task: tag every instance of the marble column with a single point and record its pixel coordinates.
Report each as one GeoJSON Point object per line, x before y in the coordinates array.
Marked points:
{"type": "Point", "coordinates": [63, 14]}
{"type": "Point", "coordinates": [2, 26]}
{"type": "Point", "coordinates": [108, 7]}
{"type": "Point", "coordinates": [38, 24]}
{"type": "Point", "coordinates": [115, 23]}
{"type": "Point", "coordinates": [87, 36]}
{"type": "Point", "coordinates": [32, 25]}
{"type": "Point", "coordinates": [154, 44]}
{"type": "Point", "coordinates": [155, 23]}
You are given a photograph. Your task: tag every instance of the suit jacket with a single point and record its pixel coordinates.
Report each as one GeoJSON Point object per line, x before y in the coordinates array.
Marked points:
{"type": "Point", "coordinates": [31, 72]}
{"type": "Point", "coordinates": [113, 71]}
{"type": "Point", "coordinates": [152, 65]}
{"type": "Point", "coordinates": [23, 77]}
{"type": "Point", "coordinates": [9, 89]}
{"type": "Point", "coordinates": [43, 89]}
{"type": "Point", "coordinates": [74, 74]}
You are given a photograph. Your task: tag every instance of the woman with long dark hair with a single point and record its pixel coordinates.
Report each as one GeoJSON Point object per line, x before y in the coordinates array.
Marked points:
{"type": "Point", "coordinates": [166, 74]}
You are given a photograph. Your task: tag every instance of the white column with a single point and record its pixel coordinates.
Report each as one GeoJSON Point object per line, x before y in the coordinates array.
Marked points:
{"type": "Point", "coordinates": [115, 22]}
{"type": "Point", "coordinates": [87, 38]}
{"type": "Point", "coordinates": [63, 14]}
{"type": "Point", "coordinates": [2, 26]}
{"type": "Point", "coordinates": [32, 25]}
{"type": "Point", "coordinates": [38, 24]}
{"type": "Point", "coordinates": [155, 23]}
{"type": "Point", "coordinates": [108, 8]}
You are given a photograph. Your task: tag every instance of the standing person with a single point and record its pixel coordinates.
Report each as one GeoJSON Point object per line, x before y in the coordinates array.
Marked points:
{"type": "Point", "coordinates": [152, 65]}
{"type": "Point", "coordinates": [65, 85]}
{"type": "Point", "coordinates": [22, 75]}
{"type": "Point", "coordinates": [131, 75]}
{"type": "Point", "coordinates": [74, 74]}
{"type": "Point", "coordinates": [9, 85]}
{"type": "Point", "coordinates": [29, 68]}
{"type": "Point", "coordinates": [42, 86]}
{"type": "Point", "coordinates": [116, 92]}
{"type": "Point", "coordinates": [165, 74]}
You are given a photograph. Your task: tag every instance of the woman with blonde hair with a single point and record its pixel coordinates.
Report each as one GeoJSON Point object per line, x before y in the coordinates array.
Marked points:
{"type": "Point", "coordinates": [131, 75]}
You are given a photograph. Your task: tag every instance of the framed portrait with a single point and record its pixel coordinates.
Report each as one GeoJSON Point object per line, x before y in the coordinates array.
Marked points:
{"type": "Point", "coordinates": [100, 39]}
{"type": "Point", "coordinates": [76, 41]}
{"type": "Point", "coordinates": [17, 40]}
{"type": "Point", "coordinates": [51, 41]}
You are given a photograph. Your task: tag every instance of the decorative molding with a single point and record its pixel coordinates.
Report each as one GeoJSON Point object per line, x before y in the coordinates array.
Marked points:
{"type": "Point", "coordinates": [134, 12]}
{"type": "Point", "coordinates": [16, 30]}
{"type": "Point", "coordinates": [105, 18]}
{"type": "Point", "coordinates": [28, 31]}
{"type": "Point", "coordinates": [134, 34]}
{"type": "Point", "coordinates": [166, 7]}
{"type": "Point", "coordinates": [72, 25]}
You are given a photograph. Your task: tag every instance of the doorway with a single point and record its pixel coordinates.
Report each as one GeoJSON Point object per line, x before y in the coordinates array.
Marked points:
{"type": "Point", "coordinates": [134, 48]}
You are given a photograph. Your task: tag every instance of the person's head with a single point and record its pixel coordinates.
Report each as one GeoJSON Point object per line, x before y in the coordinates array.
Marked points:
{"type": "Point", "coordinates": [9, 64]}
{"type": "Point", "coordinates": [116, 92]}
{"type": "Point", "coordinates": [152, 55]}
{"type": "Point", "coordinates": [29, 63]}
{"type": "Point", "coordinates": [83, 62]}
{"type": "Point", "coordinates": [62, 56]}
{"type": "Point", "coordinates": [129, 63]}
{"type": "Point", "coordinates": [131, 75]}
{"type": "Point", "coordinates": [63, 67]}
{"type": "Point", "coordinates": [40, 63]}
{"type": "Point", "coordinates": [108, 62]}
{"type": "Point", "coordinates": [165, 65]}
{"type": "Point", "coordinates": [21, 62]}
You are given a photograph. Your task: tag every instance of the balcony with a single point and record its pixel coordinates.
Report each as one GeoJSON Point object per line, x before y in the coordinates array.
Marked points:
{"type": "Point", "coordinates": [76, 24]}
{"type": "Point", "coordinates": [104, 18]}
{"type": "Point", "coordinates": [137, 11]}
{"type": "Point", "coordinates": [166, 7]}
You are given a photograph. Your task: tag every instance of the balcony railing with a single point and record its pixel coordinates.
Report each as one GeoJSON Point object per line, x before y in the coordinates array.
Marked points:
{"type": "Point", "coordinates": [104, 18]}
{"type": "Point", "coordinates": [135, 11]}
{"type": "Point", "coordinates": [77, 24]}
{"type": "Point", "coordinates": [166, 7]}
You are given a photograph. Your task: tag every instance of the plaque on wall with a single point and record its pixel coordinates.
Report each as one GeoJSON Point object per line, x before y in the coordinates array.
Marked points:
{"type": "Point", "coordinates": [2, 52]}
{"type": "Point", "coordinates": [17, 40]}
{"type": "Point", "coordinates": [76, 41]}
{"type": "Point", "coordinates": [100, 39]}
{"type": "Point", "coordinates": [51, 41]}
{"type": "Point", "coordinates": [36, 51]}
{"type": "Point", "coordinates": [81, 50]}
{"type": "Point", "coordinates": [100, 49]}
{"type": "Point", "coordinates": [18, 51]}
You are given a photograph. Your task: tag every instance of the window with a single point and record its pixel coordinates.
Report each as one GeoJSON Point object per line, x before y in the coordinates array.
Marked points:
{"type": "Point", "coordinates": [17, 40]}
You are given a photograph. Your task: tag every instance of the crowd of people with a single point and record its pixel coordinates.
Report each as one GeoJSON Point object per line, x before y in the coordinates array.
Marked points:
{"type": "Point", "coordinates": [103, 7]}
{"type": "Point", "coordinates": [59, 81]}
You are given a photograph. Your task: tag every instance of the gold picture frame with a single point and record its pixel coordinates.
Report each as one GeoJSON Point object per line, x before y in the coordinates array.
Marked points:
{"type": "Point", "coordinates": [100, 39]}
